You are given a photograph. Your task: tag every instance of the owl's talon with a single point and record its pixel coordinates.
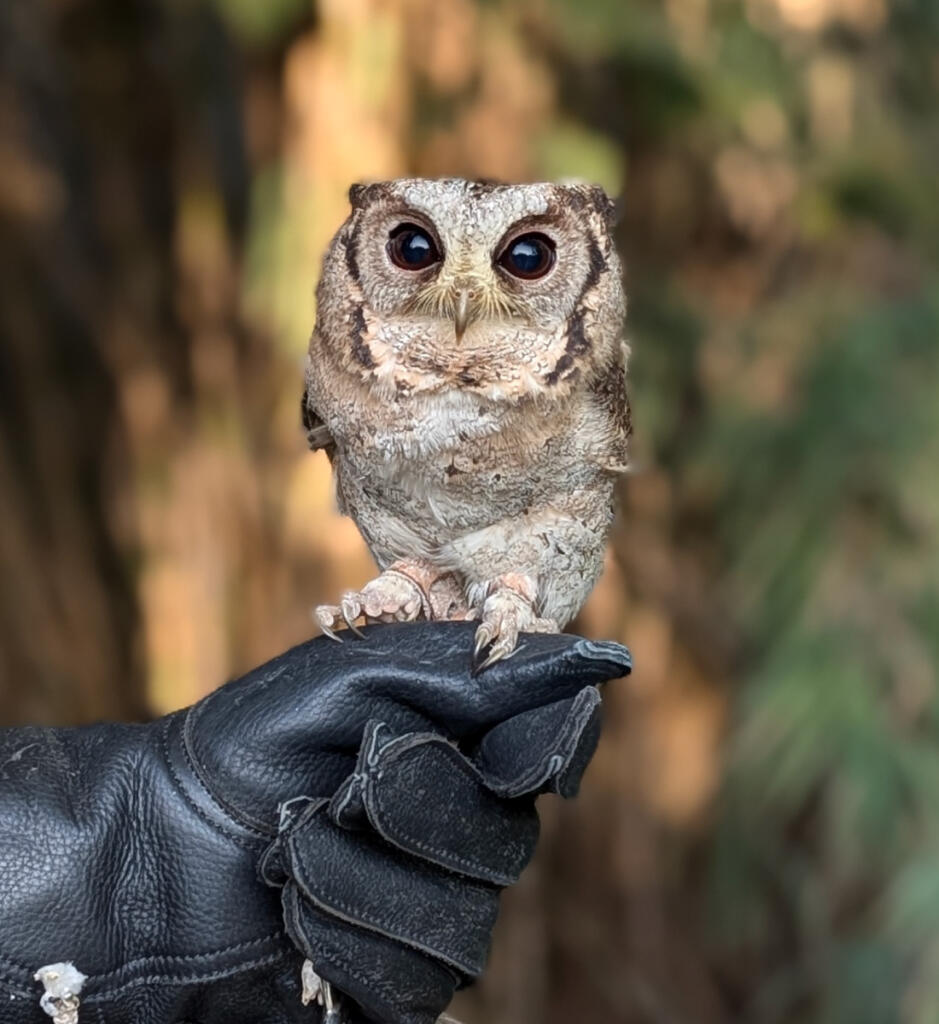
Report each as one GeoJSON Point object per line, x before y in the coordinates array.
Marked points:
{"type": "Point", "coordinates": [325, 616]}
{"type": "Point", "coordinates": [501, 651]}
{"type": "Point", "coordinates": [505, 613]}
{"type": "Point", "coordinates": [500, 648]}
{"type": "Point", "coordinates": [402, 593]}
{"type": "Point", "coordinates": [351, 609]}
{"type": "Point", "coordinates": [483, 639]}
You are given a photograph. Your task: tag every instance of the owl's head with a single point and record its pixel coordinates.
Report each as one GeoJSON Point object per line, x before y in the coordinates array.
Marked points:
{"type": "Point", "coordinates": [505, 289]}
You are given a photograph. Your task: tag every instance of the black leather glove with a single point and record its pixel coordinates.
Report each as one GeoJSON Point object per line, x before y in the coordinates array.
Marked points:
{"type": "Point", "coordinates": [384, 792]}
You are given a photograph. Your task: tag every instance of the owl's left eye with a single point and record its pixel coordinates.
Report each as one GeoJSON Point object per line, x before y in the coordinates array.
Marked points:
{"type": "Point", "coordinates": [411, 247]}
{"type": "Point", "coordinates": [528, 256]}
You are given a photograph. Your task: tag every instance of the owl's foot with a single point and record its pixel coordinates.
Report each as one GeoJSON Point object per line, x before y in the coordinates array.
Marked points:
{"type": "Point", "coordinates": [404, 592]}
{"type": "Point", "coordinates": [507, 611]}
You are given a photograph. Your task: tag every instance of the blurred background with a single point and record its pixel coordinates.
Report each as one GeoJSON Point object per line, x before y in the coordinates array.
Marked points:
{"type": "Point", "coordinates": [758, 837]}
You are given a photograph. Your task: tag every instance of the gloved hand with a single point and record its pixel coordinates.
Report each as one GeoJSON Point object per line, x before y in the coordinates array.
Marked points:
{"type": "Point", "coordinates": [385, 793]}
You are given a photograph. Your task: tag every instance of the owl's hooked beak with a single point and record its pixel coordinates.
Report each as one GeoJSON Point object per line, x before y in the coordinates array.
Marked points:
{"type": "Point", "coordinates": [462, 312]}
{"type": "Point", "coordinates": [467, 301]}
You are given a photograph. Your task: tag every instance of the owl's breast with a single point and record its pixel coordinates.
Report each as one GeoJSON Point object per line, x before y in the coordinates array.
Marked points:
{"type": "Point", "coordinates": [436, 478]}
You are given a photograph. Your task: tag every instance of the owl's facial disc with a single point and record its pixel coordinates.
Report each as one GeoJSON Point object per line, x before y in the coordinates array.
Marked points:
{"type": "Point", "coordinates": [474, 282]}
{"type": "Point", "coordinates": [451, 270]}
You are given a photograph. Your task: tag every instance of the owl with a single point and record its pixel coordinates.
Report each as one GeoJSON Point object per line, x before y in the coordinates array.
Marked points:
{"type": "Point", "coordinates": [467, 378]}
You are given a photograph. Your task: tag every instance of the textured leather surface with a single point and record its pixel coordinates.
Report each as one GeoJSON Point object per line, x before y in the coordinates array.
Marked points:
{"type": "Point", "coordinates": [134, 850]}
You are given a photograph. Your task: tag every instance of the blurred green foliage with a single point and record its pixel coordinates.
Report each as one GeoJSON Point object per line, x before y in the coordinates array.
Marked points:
{"type": "Point", "coordinates": [824, 874]}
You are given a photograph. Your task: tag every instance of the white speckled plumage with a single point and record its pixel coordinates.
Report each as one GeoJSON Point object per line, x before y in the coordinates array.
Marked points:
{"type": "Point", "coordinates": [478, 463]}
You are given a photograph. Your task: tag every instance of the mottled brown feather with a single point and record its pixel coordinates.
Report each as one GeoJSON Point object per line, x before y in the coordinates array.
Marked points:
{"type": "Point", "coordinates": [494, 452]}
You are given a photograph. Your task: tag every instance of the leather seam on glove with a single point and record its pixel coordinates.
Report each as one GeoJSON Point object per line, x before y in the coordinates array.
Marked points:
{"type": "Point", "coordinates": [319, 955]}
{"type": "Point", "coordinates": [189, 959]}
{"type": "Point", "coordinates": [342, 910]}
{"type": "Point", "coordinates": [235, 815]}
{"type": "Point", "coordinates": [99, 996]}
{"type": "Point", "coordinates": [387, 992]}
{"type": "Point", "coordinates": [450, 860]}
{"type": "Point", "coordinates": [246, 844]}
{"type": "Point", "coordinates": [369, 983]}
{"type": "Point", "coordinates": [553, 763]}
{"type": "Point", "coordinates": [99, 982]}
{"type": "Point", "coordinates": [548, 771]}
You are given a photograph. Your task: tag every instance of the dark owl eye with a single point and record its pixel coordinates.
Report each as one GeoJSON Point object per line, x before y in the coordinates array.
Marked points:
{"type": "Point", "coordinates": [528, 256]}
{"type": "Point", "coordinates": [411, 247]}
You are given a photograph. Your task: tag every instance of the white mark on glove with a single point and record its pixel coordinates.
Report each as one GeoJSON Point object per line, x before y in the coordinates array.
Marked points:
{"type": "Point", "coordinates": [63, 984]}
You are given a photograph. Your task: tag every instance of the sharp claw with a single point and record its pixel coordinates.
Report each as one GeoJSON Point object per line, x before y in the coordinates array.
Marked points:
{"type": "Point", "coordinates": [494, 656]}
{"type": "Point", "coordinates": [476, 667]}
{"type": "Point", "coordinates": [485, 636]}
{"type": "Point", "coordinates": [483, 639]}
{"type": "Point", "coordinates": [504, 647]}
{"type": "Point", "coordinates": [351, 610]}
{"type": "Point", "coordinates": [496, 653]}
{"type": "Point", "coordinates": [325, 619]}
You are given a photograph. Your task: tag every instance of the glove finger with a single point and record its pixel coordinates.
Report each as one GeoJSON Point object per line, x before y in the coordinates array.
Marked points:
{"type": "Point", "coordinates": [543, 750]}
{"type": "Point", "coordinates": [419, 793]}
{"type": "Point", "coordinates": [360, 879]}
{"type": "Point", "coordinates": [388, 982]}
{"type": "Point", "coordinates": [427, 667]}
{"type": "Point", "coordinates": [295, 724]}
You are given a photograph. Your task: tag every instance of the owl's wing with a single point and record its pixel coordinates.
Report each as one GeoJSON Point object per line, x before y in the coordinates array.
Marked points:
{"type": "Point", "coordinates": [609, 388]}
{"type": "Point", "coordinates": [317, 433]}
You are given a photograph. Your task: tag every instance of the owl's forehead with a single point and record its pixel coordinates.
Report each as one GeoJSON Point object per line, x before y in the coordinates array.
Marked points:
{"type": "Point", "coordinates": [473, 210]}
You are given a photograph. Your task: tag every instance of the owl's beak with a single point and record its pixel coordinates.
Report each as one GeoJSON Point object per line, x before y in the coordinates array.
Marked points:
{"type": "Point", "coordinates": [461, 313]}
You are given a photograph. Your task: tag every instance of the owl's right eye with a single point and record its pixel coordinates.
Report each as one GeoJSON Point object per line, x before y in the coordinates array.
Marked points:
{"type": "Point", "coordinates": [411, 248]}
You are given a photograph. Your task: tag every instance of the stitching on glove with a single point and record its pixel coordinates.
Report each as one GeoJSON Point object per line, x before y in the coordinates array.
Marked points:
{"type": "Point", "coordinates": [191, 979]}
{"type": "Point", "coordinates": [353, 784]}
{"type": "Point", "coordinates": [245, 843]}
{"type": "Point", "coordinates": [551, 764]}
{"type": "Point", "coordinates": [373, 789]}
{"type": "Point", "coordinates": [372, 984]}
{"type": "Point", "coordinates": [319, 954]}
{"type": "Point", "coordinates": [191, 958]}
{"type": "Point", "coordinates": [379, 986]}
{"type": "Point", "coordinates": [232, 813]}
{"type": "Point", "coordinates": [347, 913]}
{"type": "Point", "coordinates": [100, 994]}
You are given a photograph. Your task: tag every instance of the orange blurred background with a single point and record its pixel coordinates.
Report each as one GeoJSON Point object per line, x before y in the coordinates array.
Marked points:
{"type": "Point", "coordinates": [757, 837]}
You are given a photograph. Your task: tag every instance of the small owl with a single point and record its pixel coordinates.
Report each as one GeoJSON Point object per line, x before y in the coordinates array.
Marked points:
{"type": "Point", "coordinates": [467, 378]}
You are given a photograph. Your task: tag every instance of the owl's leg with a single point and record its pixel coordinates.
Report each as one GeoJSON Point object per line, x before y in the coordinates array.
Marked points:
{"type": "Point", "coordinates": [507, 610]}
{"type": "Point", "coordinates": [554, 555]}
{"type": "Point", "coordinates": [404, 592]}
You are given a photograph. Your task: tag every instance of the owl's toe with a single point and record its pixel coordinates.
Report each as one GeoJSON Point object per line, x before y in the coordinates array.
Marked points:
{"type": "Point", "coordinates": [351, 606]}
{"type": "Point", "coordinates": [391, 597]}
{"type": "Point", "coordinates": [505, 614]}
{"type": "Point", "coordinates": [328, 617]}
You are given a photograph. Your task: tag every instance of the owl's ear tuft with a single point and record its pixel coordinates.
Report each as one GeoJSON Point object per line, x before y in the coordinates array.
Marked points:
{"type": "Point", "coordinates": [360, 194]}
{"type": "Point", "coordinates": [610, 209]}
